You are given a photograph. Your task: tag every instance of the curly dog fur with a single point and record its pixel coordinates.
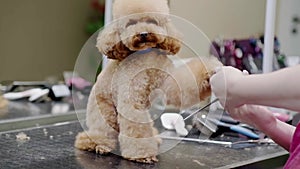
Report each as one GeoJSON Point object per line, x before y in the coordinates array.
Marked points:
{"type": "Point", "coordinates": [138, 44]}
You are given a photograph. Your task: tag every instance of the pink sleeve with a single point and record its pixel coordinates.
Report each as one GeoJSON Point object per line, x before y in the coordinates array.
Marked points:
{"type": "Point", "coordinates": [294, 159]}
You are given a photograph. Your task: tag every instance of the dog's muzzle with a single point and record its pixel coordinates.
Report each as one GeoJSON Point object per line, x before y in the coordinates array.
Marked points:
{"type": "Point", "coordinates": [144, 36]}
{"type": "Point", "coordinates": [144, 40]}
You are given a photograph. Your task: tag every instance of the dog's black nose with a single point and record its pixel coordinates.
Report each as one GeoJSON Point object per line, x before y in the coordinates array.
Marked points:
{"type": "Point", "coordinates": [143, 35]}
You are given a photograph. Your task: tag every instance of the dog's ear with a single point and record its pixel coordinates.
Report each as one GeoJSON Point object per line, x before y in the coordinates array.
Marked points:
{"type": "Point", "coordinates": [172, 43]}
{"type": "Point", "coordinates": [110, 44]}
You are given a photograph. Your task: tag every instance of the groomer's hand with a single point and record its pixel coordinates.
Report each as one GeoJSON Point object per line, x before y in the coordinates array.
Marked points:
{"type": "Point", "coordinates": [225, 85]}
{"type": "Point", "coordinates": [257, 116]}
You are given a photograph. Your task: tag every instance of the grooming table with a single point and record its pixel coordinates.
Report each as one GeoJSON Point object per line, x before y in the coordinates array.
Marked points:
{"type": "Point", "coordinates": [51, 147]}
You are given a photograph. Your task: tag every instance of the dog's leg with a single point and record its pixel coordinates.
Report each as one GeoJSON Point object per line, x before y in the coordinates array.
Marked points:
{"type": "Point", "coordinates": [101, 120]}
{"type": "Point", "coordinates": [137, 136]}
{"type": "Point", "coordinates": [102, 127]}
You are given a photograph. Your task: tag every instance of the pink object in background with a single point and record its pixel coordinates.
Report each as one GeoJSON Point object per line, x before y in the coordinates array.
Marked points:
{"type": "Point", "coordinates": [78, 82]}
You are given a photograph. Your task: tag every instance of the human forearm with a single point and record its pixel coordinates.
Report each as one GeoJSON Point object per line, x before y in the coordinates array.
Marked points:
{"type": "Point", "coordinates": [240, 94]}
{"type": "Point", "coordinates": [278, 89]}
{"type": "Point", "coordinates": [264, 120]}
{"type": "Point", "coordinates": [281, 133]}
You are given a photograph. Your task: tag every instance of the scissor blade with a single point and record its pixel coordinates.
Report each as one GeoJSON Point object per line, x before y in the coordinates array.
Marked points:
{"type": "Point", "coordinates": [199, 110]}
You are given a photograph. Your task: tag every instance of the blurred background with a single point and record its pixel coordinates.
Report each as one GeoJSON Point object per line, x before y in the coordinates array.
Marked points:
{"type": "Point", "coordinates": [42, 38]}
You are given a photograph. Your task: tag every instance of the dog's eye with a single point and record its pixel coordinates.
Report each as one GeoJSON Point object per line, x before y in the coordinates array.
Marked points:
{"type": "Point", "coordinates": [152, 21]}
{"type": "Point", "coordinates": [131, 22]}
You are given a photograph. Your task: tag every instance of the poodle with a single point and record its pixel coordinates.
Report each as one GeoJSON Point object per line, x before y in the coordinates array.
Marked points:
{"type": "Point", "coordinates": [138, 44]}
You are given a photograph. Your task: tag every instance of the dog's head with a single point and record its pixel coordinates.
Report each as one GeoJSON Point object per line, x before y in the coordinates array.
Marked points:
{"type": "Point", "coordinates": [139, 25]}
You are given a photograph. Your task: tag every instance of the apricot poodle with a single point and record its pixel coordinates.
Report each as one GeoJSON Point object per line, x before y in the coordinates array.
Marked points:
{"type": "Point", "coordinates": [138, 44]}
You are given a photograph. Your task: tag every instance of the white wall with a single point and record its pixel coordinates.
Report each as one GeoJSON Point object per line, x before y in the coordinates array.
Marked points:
{"type": "Point", "coordinates": [41, 38]}
{"type": "Point", "coordinates": [290, 43]}
{"type": "Point", "coordinates": [229, 18]}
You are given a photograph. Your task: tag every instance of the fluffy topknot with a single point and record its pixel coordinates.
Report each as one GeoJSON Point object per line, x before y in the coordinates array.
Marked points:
{"type": "Point", "coordinates": [127, 7]}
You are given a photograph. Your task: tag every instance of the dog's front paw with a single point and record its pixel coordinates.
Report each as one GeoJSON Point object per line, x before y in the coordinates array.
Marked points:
{"type": "Point", "coordinates": [103, 150]}
{"type": "Point", "coordinates": [147, 160]}
{"type": "Point", "coordinates": [83, 142]}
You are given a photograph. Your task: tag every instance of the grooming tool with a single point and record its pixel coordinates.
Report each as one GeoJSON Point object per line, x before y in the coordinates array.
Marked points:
{"type": "Point", "coordinates": [228, 119]}
{"type": "Point", "coordinates": [236, 144]}
{"type": "Point", "coordinates": [57, 92]}
{"type": "Point", "coordinates": [173, 121]}
{"type": "Point", "coordinates": [8, 86]}
{"type": "Point", "coordinates": [236, 128]}
{"type": "Point", "coordinates": [259, 141]}
{"type": "Point", "coordinates": [207, 125]}
{"type": "Point", "coordinates": [32, 94]}
{"type": "Point", "coordinates": [20, 95]}
{"type": "Point", "coordinates": [197, 140]}
{"type": "Point", "coordinates": [199, 110]}
{"type": "Point", "coordinates": [38, 95]}
{"type": "Point", "coordinates": [223, 116]}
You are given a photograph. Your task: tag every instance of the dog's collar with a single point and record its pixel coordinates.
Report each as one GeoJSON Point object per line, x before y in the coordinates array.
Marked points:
{"type": "Point", "coordinates": [148, 50]}
{"type": "Point", "coordinates": [145, 51]}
